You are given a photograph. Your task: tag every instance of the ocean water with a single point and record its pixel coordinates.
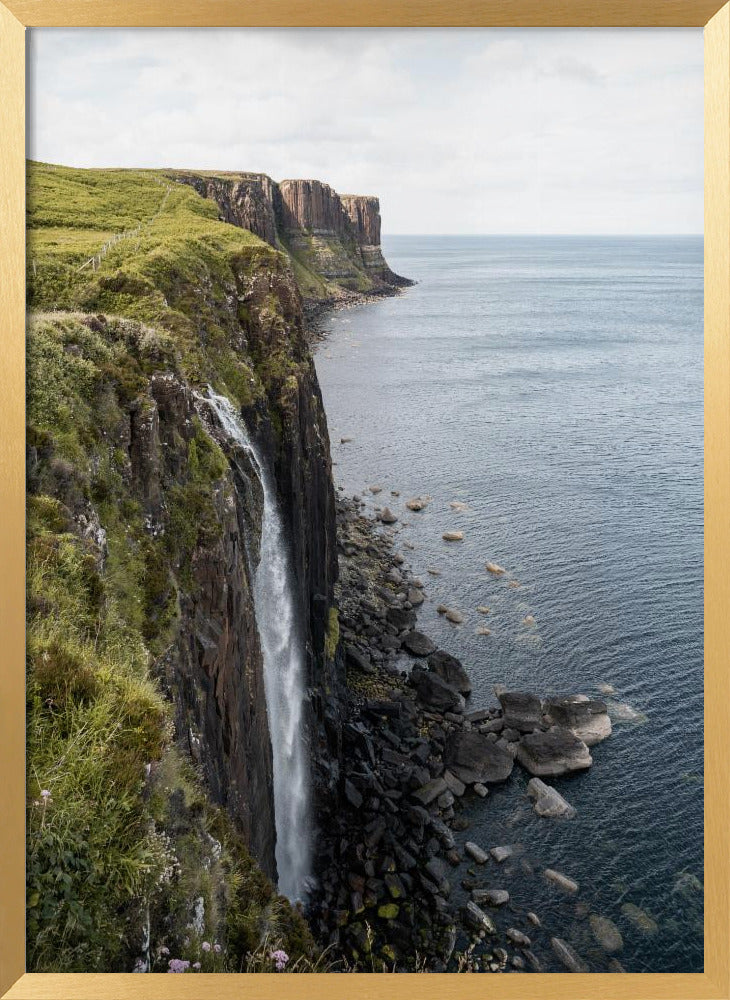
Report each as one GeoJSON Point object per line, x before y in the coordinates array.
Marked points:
{"type": "Point", "coordinates": [554, 385]}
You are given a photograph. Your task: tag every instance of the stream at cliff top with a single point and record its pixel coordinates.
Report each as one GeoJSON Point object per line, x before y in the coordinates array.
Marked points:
{"type": "Point", "coordinates": [283, 656]}
{"type": "Point", "coordinates": [554, 386]}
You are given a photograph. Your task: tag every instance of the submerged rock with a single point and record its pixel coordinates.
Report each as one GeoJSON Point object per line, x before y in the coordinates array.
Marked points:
{"type": "Point", "coordinates": [490, 897]}
{"type": "Point", "coordinates": [640, 919]}
{"type": "Point", "coordinates": [473, 758]}
{"type": "Point", "coordinates": [606, 933]}
{"type": "Point", "coordinates": [562, 881]}
{"type": "Point", "coordinates": [568, 956]}
{"type": "Point", "coordinates": [502, 853]}
{"type": "Point", "coordinates": [453, 536]}
{"type": "Point", "coordinates": [556, 752]}
{"type": "Point", "coordinates": [454, 616]}
{"type": "Point", "coordinates": [548, 800]}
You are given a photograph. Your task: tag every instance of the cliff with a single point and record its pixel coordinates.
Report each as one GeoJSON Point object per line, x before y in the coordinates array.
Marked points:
{"type": "Point", "coordinates": [145, 666]}
{"type": "Point", "coordinates": [333, 241]}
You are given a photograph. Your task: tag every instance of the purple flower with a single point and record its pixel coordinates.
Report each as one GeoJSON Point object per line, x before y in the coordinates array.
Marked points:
{"type": "Point", "coordinates": [205, 946]}
{"type": "Point", "coordinates": [178, 965]}
{"type": "Point", "coordinates": [217, 948]}
{"type": "Point", "coordinates": [45, 794]}
{"type": "Point", "coordinates": [280, 958]}
{"type": "Point", "coordinates": [196, 966]}
{"type": "Point", "coordinates": [139, 966]}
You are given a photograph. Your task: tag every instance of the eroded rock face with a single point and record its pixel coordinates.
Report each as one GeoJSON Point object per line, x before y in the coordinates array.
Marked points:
{"type": "Point", "coordinates": [245, 200]}
{"type": "Point", "coordinates": [474, 758]}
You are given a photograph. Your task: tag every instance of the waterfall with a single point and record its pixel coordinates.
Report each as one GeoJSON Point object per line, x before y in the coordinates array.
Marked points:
{"type": "Point", "coordinates": [284, 669]}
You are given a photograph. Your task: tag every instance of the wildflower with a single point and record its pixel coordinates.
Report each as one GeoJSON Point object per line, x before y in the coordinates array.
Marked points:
{"type": "Point", "coordinates": [280, 958]}
{"type": "Point", "coordinates": [196, 966]}
{"type": "Point", "coordinates": [45, 794]}
{"type": "Point", "coordinates": [164, 950]}
{"type": "Point", "coordinates": [217, 948]}
{"type": "Point", "coordinates": [205, 946]}
{"type": "Point", "coordinates": [178, 965]}
{"type": "Point", "coordinates": [140, 965]}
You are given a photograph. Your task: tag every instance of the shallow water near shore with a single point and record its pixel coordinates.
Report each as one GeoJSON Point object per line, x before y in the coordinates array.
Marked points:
{"type": "Point", "coordinates": [554, 385]}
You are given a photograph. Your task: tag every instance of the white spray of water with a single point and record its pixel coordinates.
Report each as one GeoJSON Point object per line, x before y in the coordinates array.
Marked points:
{"type": "Point", "coordinates": [284, 670]}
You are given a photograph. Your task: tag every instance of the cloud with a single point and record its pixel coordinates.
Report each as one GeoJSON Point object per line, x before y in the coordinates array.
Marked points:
{"type": "Point", "coordinates": [476, 130]}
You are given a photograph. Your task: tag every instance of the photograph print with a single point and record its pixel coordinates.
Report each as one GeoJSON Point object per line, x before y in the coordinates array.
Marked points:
{"type": "Point", "coordinates": [365, 501]}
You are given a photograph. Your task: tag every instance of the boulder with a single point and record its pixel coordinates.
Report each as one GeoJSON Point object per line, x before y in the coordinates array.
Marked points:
{"type": "Point", "coordinates": [453, 536]}
{"type": "Point", "coordinates": [435, 693]}
{"type": "Point", "coordinates": [454, 616]}
{"type": "Point", "coordinates": [451, 670]}
{"type": "Point", "coordinates": [416, 504]}
{"type": "Point", "coordinates": [518, 938]}
{"type": "Point", "coordinates": [549, 754]}
{"type": "Point", "coordinates": [570, 958]}
{"type": "Point", "coordinates": [415, 597]}
{"type": "Point", "coordinates": [606, 933]}
{"type": "Point", "coordinates": [418, 644]}
{"type": "Point", "coordinates": [478, 919]}
{"type": "Point", "coordinates": [387, 516]}
{"type": "Point", "coordinates": [587, 718]}
{"type": "Point", "coordinates": [455, 786]}
{"type": "Point", "coordinates": [400, 617]}
{"type": "Point", "coordinates": [521, 711]}
{"type": "Point", "coordinates": [476, 853]}
{"type": "Point", "coordinates": [430, 791]}
{"type": "Point", "coordinates": [502, 853]}
{"type": "Point", "coordinates": [548, 800]}
{"type": "Point", "coordinates": [495, 568]}
{"type": "Point", "coordinates": [474, 759]}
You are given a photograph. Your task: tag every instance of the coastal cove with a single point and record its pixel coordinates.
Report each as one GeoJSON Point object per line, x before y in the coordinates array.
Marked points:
{"type": "Point", "coordinates": [551, 388]}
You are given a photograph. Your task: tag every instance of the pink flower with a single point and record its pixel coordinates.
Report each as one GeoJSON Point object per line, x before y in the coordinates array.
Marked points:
{"type": "Point", "coordinates": [178, 965]}
{"type": "Point", "coordinates": [280, 958]}
{"type": "Point", "coordinates": [217, 948]}
{"type": "Point", "coordinates": [205, 946]}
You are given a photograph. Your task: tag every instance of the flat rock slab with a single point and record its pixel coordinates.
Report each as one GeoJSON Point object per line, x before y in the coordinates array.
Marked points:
{"type": "Point", "coordinates": [587, 718]}
{"type": "Point", "coordinates": [568, 956]}
{"type": "Point", "coordinates": [490, 897]}
{"type": "Point", "coordinates": [521, 711]}
{"type": "Point", "coordinates": [548, 801]}
{"type": "Point", "coordinates": [476, 853]}
{"type": "Point", "coordinates": [606, 933]}
{"type": "Point", "coordinates": [474, 759]}
{"type": "Point", "coordinates": [418, 644]}
{"type": "Point", "coordinates": [555, 752]}
{"type": "Point", "coordinates": [562, 881]}
{"type": "Point", "coordinates": [450, 670]}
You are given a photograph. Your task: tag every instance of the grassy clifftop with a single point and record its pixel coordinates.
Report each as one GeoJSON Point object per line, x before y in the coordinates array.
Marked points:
{"type": "Point", "coordinates": [133, 278]}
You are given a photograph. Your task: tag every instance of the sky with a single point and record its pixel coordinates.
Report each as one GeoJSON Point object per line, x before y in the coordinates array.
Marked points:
{"type": "Point", "coordinates": [476, 130]}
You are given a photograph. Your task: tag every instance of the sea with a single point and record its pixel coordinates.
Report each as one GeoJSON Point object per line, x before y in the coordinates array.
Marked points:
{"type": "Point", "coordinates": [552, 388]}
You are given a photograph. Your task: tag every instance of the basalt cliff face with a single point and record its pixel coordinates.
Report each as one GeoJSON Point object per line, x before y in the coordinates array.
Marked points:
{"type": "Point", "coordinates": [333, 240]}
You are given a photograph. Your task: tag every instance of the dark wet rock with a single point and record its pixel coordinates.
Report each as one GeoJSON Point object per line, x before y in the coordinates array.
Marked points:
{"type": "Point", "coordinates": [481, 790]}
{"type": "Point", "coordinates": [455, 786]}
{"type": "Point", "coordinates": [352, 795]}
{"type": "Point", "coordinates": [418, 644]}
{"type": "Point", "coordinates": [552, 753]}
{"type": "Point", "coordinates": [472, 758]}
{"type": "Point", "coordinates": [568, 956]}
{"type": "Point", "coordinates": [429, 792]}
{"type": "Point", "coordinates": [358, 660]}
{"type": "Point", "coordinates": [402, 618]}
{"type": "Point", "coordinates": [606, 933]}
{"type": "Point", "coordinates": [478, 919]}
{"type": "Point", "coordinates": [435, 693]}
{"type": "Point", "coordinates": [548, 801]}
{"type": "Point", "coordinates": [587, 718]}
{"type": "Point", "coordinates": [451, 670]}
{"type": "Point", "coordinates": [518, 938]}
{"type": "Point", "coordinates": [521, 711]}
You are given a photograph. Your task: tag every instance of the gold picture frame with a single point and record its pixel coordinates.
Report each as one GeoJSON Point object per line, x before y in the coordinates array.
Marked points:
{"type": "Point", "coordinates": [15, 16]}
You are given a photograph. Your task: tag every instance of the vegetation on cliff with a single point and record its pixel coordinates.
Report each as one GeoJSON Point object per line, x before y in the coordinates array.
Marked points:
{"type": "Point", "coordinates": [139, 296]}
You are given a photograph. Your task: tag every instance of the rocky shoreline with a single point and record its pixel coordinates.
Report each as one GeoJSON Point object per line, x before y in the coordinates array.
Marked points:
{"type": "Point", "coordinates": [415, 758]}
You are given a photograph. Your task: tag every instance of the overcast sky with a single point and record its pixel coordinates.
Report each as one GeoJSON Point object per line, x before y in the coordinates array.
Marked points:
{"type": "Point", "coordinates": [476, 130]}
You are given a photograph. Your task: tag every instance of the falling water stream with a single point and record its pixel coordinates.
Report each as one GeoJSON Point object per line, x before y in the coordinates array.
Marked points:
{"type": "Point", "coordinates": [283, 656]}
